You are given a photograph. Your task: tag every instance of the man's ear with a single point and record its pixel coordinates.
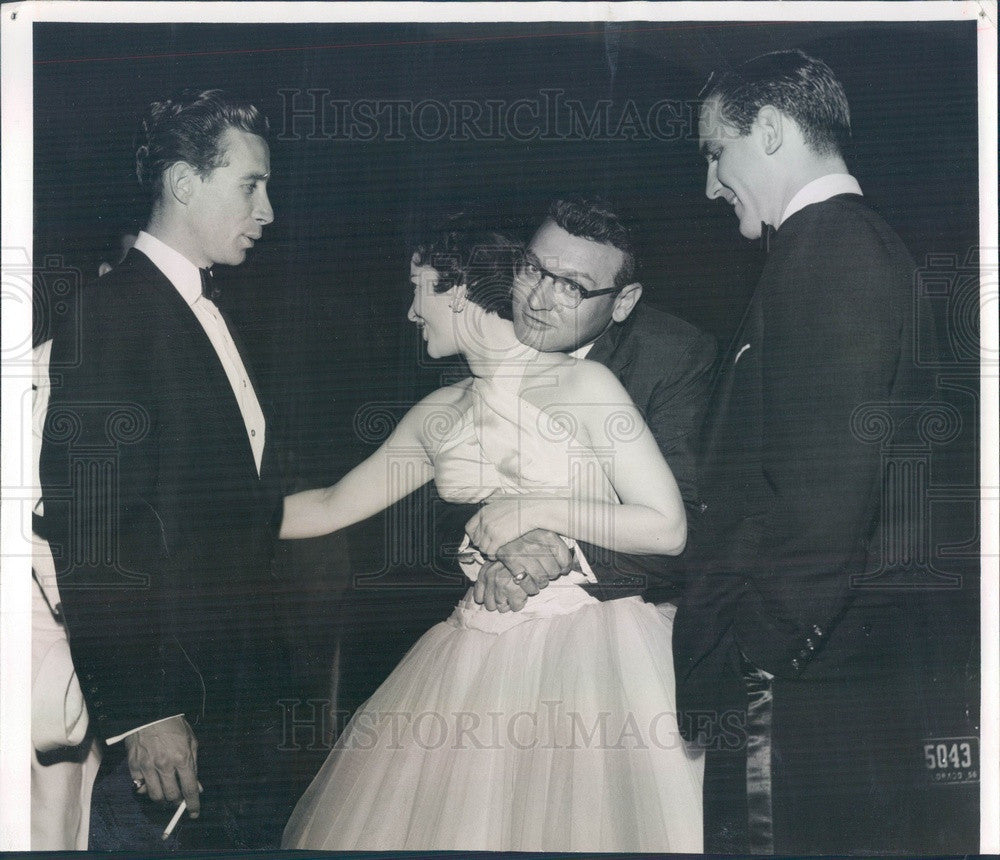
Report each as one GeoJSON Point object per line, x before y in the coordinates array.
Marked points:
{"type": "Point", "coordinates": [626, 301]}
{"type": "Point", "coordinates": [179, 180]}
{"type": "Point", "coordinates": [769, 125]}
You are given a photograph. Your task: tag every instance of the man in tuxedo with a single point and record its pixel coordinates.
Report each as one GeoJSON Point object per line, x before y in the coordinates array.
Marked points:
{"type": "Point", "coordinates": [791, 626]}
{"type": "Point", "coordinates": [162, 503]}
{"type": "Point", "coordinates": [578, 292]}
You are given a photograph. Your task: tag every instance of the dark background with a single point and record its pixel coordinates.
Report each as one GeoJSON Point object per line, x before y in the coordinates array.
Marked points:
{"type": "Point", "coordinates": [321, 303]}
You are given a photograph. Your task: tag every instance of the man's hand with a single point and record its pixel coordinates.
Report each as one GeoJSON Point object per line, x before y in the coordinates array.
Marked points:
{"type": "Point", "coordinates": [496, 590]}
{"type": "Point", "coordinates": [164, 756]}
{"type": "Point", "coordinates": [535, 559]}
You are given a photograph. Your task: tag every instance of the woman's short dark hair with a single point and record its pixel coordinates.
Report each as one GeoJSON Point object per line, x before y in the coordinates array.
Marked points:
{"type": "Point", "coordinates": [463, 252]}
{"type": "Point", "coordinates": [188, 127]}
{"type": "Point", "coordinates": [597, 220]}
{"type": "Point", "coordinates": [798, 85]}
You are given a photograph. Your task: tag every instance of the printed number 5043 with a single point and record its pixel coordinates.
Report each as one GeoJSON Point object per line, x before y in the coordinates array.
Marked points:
{"type": "Point", "coordinates": [948, 756]}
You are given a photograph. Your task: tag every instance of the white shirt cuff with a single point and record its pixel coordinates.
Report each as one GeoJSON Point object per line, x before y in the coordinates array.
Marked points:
{"type": "Point", "coordinates": [117, 738]}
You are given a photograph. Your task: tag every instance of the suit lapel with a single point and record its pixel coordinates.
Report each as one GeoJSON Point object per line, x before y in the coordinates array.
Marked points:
{"type": "Point", "coordinates": [201, 352]}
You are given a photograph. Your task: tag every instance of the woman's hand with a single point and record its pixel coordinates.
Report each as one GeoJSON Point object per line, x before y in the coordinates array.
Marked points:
{"type": "Point", "coordinates": [498, 523]}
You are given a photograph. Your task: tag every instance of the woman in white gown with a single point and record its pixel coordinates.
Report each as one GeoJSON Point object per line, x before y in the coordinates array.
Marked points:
{"type": "Point", "coordinates": [548, 729]}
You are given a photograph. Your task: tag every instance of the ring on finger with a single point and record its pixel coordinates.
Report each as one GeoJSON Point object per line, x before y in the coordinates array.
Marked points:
{"type": "Point", "coordinates": [137, 784]}
{"type": "Point", "coordinates": [520, 576]}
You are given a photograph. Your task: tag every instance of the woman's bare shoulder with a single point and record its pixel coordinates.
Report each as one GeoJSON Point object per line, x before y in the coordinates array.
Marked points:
{"type": "Point", "coordinates": [582, 380]}
{"type": "Point", "coordinates": [443, 407]}
{"type": "Point", "coordinates": [454, 396]}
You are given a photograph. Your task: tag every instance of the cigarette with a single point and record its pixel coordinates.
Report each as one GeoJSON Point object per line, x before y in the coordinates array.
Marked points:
{"type": "Point", "coordinates": [174, 820]}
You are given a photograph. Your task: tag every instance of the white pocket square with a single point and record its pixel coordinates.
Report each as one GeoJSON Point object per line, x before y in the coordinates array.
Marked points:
{"type": "Point", "coordinates": [743, 349]}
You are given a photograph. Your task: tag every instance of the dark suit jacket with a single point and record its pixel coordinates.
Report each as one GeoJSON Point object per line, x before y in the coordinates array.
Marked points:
{"type": "Point", "coordinates": [665, 364]}
{"type": "Point", "coordinates": [820, 385]}
{"type": "Point", "coordinates": [161, 528]}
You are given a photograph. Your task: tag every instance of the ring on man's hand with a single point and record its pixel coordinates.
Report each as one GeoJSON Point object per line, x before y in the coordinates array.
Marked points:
{"type": "Point", "coordinates": [138, 783]}
{"type": "Point", "coordinates": [520, 576]}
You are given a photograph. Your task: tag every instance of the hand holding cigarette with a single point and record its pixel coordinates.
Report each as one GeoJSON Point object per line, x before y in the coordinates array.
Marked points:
{"type": "Point", "coordinates": [163, 761]}
{"type": "Point", "coordinates": [176, 817]}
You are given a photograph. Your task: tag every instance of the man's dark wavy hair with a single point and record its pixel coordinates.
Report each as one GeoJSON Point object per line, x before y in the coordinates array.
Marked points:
{"type": "Point", "coordinates": [597, 220]}
{"type": "Point", "coordinates": [798, 85]}
{"type": "Point", "coordinates": [462, 251]}
{"type": "Point", "coordinates": [188, 127]}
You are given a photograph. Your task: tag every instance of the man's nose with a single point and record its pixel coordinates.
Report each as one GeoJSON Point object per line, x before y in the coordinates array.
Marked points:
{"type": "Point", "coordinates": [713, 188]}
{"type": "Point", "coordinates": [263, 214]}
{"type": "Point", "coordinates": [540, 298]}
{"type": "Point", "coordinates": [411, 314]}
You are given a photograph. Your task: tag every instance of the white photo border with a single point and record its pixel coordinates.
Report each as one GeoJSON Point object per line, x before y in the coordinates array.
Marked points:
{"type": "Point", "coordinates": [17, 238]}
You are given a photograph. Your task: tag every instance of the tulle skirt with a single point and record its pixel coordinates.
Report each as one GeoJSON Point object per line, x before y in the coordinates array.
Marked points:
{"type": "Point", "coordinates": [552, 731]}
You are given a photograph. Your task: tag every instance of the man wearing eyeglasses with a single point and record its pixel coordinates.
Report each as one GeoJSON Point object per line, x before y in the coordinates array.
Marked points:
{"type": "Point", "coordinates": [576, 291]}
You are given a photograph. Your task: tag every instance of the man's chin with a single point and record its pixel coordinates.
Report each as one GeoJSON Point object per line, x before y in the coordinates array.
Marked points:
{"type": "Point", "coordinates": [535, 336]}
{"type": "Point", "coordinates": [537, 340]}
{"type": "Point", "coordinates": [749, 225]}
{"type": "Point", "coordinates": [235, 257]}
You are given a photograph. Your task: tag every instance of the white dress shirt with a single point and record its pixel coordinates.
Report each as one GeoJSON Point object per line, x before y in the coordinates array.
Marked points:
{"type": "Point", "coordinates": [186, 278]}
{"type": "Point", "coordinates": [819, 190]}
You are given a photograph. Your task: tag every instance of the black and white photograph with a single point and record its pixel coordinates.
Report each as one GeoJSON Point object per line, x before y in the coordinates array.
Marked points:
{"type": "Point", "coordinates": [500, 427]}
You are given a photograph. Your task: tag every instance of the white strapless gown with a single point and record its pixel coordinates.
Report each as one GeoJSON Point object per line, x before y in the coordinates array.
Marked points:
{"type": "Point", "coordinates": [549, 729]}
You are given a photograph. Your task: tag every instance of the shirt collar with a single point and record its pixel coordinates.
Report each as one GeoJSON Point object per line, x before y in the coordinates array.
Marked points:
{"type": "Point", "coordinates": [581, 351]}
{"type": "Point", "coordinates": [819, 190]}
{"type": "Point", "coordinates": [180, 271]}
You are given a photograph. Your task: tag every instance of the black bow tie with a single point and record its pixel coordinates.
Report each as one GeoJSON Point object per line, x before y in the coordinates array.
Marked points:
{"type": "Point", "coordinates": [766, 237]}
{"type": "Point", "coordinates": [208, 288]}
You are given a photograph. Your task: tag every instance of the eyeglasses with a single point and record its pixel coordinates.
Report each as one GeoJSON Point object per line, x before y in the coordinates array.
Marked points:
{"type": "Point", "coordinates": [565, 291]}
